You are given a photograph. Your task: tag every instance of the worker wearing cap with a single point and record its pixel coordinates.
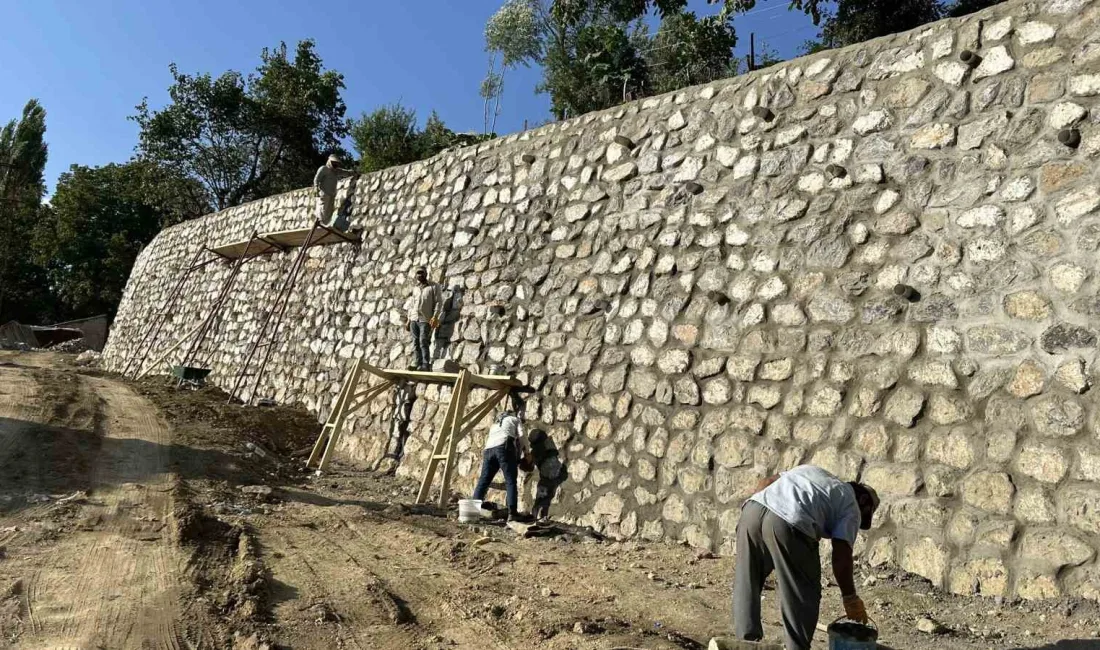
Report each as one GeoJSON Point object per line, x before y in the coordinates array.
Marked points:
{"type": "Point", "coordinates": [779, 530]}
{"type": "Point", "coordinates": [506, 445]}
{"type": "Point", "coordinates": [324, 181]}
{"type": "Point", "coordinates": [425, 313]}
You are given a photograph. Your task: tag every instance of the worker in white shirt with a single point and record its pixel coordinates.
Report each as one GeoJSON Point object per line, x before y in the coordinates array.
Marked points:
{"type": "Point", "coordinates": [779, 530]}
{"type": "Point", "coordinates": [506, 444]}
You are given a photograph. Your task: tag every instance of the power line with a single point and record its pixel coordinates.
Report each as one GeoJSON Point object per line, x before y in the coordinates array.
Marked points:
{"type": "Point", "coordinates": [761, 11]}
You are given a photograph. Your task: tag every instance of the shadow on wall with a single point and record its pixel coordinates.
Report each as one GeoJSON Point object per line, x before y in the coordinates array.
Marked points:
{"type": "Point", "coordinates": [452, 310]}
{"type": "Point", "coordinates": [404, 397]}
{"type": "Point", "coordinates": [551, 471]}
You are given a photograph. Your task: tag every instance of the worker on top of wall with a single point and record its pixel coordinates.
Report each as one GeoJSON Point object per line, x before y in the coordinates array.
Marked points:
{"type": "Point", "coordinates": [504, 448]}
{"type": "Point", "coordinates": [425, 313]}
{"type": "Point", "coordinates": [324, 181]}
{"type": "Point", "coordinates": [779, 530]}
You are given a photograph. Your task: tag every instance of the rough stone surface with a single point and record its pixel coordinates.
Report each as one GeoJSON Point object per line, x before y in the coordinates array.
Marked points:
{"type": "Point", "coordinates": [716, 303]}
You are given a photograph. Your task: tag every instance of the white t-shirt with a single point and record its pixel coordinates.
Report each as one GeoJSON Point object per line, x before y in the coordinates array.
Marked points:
{"type": "Point", "coordinates": [815, 502]}
{"type": "Point", "coordinates": [508, 426]}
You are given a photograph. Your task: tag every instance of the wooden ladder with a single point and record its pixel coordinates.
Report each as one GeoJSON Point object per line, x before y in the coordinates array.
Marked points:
{"type": "Point", "coordinates": [136, 361]}
{"type": "Point", "coordinates": [347, 402]}
{"type": "Point", "coordinates": [219, 302]}
{"type": "Point", "coordinates": [266, 337]}
{"type": "Point", "coordinates": [457, 424]}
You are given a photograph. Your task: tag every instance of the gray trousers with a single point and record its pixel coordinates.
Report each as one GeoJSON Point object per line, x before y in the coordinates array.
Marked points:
{"type": "Point", "coordinates": [326, 204]}
{"type": "Point", "coordinates": [422, 344]}
{"type": "Point", "coordinates": [766, 543]}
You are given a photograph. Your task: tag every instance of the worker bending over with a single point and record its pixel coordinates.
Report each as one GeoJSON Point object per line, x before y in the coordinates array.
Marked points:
{"type": "Point", "coordinates": [779, 530]}
{"type": "Point", "coordinates": [324, 182]}
{"type": "Point", "coordinates": [504, 447]}
{"type": "Point", "coordinates": [424, 315]}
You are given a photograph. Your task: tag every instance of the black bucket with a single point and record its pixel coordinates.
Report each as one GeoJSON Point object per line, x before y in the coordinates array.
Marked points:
{"type": "Point", "coordinates": [849, 635]}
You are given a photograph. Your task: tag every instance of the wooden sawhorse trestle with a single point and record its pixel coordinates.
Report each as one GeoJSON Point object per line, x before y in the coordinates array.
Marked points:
{"type": "Point", "coordinates": [457, 423]}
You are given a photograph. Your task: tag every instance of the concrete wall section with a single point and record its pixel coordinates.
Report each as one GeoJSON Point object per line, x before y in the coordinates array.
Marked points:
{"type": "Point", "coordinates": [702, 292]}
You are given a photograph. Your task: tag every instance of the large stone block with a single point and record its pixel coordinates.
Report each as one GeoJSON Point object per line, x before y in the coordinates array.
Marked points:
{"type": "Point", "coordinates": [981, 576]}
{"type": "Point", "coordinates": [1057, 416]}
{"type": "Point", "coordinates": [925, 557]}
{"type": "Point", "coordinates": [1042, 462]}
{"type": "Point", "coordinates": [893, 479]}
{"type": "Point", "coordinates": [989, 490]}
{"type": "Point", "coordinates": [1079, 506]}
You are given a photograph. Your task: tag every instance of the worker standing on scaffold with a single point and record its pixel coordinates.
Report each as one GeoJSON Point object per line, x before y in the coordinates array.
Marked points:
{"type": "Point", "coordinates": [425, 313]}
{"type": "Point", "coordinates": [324, 181]}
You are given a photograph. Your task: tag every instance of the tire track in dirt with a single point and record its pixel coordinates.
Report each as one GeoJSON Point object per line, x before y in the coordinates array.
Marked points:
{"type": "Point", "coordinates": [333, 563]}
{"type": "Point", "coordinates": [19, 408]}
{"type": "Point", "coordinates": [115, 584]}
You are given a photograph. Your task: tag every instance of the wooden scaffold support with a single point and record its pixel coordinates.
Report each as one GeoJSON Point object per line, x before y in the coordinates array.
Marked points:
{"type": "Point", "coordinates": [136, 362]}
{"type": "Point", "coordinates": [236, 254]}
{"type": "Point", "coordinates": [267, 337]}
{"type": "Point", "coordinates": [457, 423]}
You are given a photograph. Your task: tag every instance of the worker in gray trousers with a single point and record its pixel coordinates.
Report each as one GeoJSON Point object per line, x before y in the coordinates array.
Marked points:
{"type": "Point", "coordinates": [779, 529]}
{"type": "Point", "coordinates": [425, 313]}
{"type": "Point", "coordinates": [324, 182]}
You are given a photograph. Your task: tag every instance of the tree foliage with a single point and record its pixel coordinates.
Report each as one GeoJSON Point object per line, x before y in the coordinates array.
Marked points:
{"type": "Point", "coordinates": [964, 7]}
{"type": "Point", "coordinates": [629, 10]}
{"type": "Point", "coordinates": [855, 21]}
{"type": "Point", "coordinates": [247, 137]}
{"type": "Point", "coordinates": [23, 154]}
{"type": "Point", "coordinates": [597, 53]}
{"type": "Point", "coordinates": [688, 50]}
{"type": "Point", "coordinates": [388, 136]}
{"type": "Point", "coordinates": [596, 66]}
{"type": "Point", "coordinates": [101, 219]}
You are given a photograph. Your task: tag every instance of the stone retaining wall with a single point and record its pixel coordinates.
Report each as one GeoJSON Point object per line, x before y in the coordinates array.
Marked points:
{"type": "Point", "coordinates": [702, 292]}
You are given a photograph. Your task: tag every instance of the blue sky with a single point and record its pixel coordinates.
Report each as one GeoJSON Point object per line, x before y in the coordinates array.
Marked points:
{"type": "Point", "coordinates": [91, 61]}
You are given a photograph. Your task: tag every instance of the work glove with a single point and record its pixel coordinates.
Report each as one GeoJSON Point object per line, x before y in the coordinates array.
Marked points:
{"type": "Point", "coordinates": [433, 322]}
{"type": "Point", "coordinates": [854, 609]}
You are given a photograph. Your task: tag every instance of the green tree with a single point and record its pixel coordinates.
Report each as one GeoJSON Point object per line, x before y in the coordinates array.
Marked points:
{"type": "Point", "coordinates": [23, 154]}
{"type": "Point", "coordinates": [101, 219]}
{"type": "Point", "coordinates": [964, 7]}
{"type": "Point", "coordinates": [596, 66]}
{"type": "Point", "coordinates": [512, 38]}
{"type": "Point", "coordinates": [589, 59]}
{"type": "Point", "coordinates": [767, 56]}
{"type": "Point", "coordinates": [688, 50]}
{"type": "Point", "coordinates": [629, 10]}
{"type": "Point", "coordinates": [855, 21]}
{"type": "Point", "coordinates": [247, 137]}
{"type": "Point", "coordinates": [386, 137]}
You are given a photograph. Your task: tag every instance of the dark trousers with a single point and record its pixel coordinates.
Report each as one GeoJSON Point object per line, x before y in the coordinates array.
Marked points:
{"type": "Point", "coordinates": [766, 543]}
{"type": "Point", "coordinates": [504, 457]}
{"type": "Point", "coordinates": [422, 344]}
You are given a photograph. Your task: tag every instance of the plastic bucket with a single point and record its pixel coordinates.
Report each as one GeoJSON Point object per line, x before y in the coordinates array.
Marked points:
{"type": "Point", "coordinates": [849, 635]}
{"type": "Point", "coordinates": [469, 510]}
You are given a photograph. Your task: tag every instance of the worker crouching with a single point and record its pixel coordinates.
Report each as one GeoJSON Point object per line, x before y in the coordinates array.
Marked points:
{"type": "Point", "coordinates": [779, 530]}
{"type": "Point", "coordinates": [504, 448]}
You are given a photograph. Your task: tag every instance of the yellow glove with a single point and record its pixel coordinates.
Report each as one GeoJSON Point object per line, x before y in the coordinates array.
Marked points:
{"type": "Point", "coordinates": [433, 322]}
{"type": "Point", "coordinates": [854, 609]}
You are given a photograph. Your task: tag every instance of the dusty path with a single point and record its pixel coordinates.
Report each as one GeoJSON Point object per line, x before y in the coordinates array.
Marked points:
{"type": "Point", "coordinates": [133, 515]}
{"type": "Point", "coordinates": [111, 580]}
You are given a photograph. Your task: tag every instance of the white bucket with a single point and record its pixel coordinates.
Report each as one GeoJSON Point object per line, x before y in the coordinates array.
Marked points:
{"type": "Point", "coordinates": [469, 510]}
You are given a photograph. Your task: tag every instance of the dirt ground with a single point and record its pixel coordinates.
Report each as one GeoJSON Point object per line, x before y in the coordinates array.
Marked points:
{"type": "Point", "coordinates": [130, 518]}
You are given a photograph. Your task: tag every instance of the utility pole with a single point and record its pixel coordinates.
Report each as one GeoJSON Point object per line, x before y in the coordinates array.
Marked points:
{"type": "Point", "coordinates": [750, 58]}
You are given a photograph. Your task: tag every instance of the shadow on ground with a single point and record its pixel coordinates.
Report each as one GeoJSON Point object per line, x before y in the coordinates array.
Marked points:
{"type": "Point", "coordinates": [1066, 644]}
